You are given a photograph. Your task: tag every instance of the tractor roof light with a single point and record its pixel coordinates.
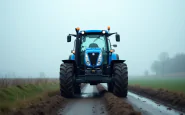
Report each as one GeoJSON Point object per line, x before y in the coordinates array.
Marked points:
{"type": "Point", "coordinates": [108, 28]}
{"type": "Point", "coordinates": [112, 50]}
{"type": "Point", "coordinates": [78, 28]}
{"type": "Point", "coordinates": [82, 32]}
{"type": "Point", "coordinates": [72, 51]}
{"type": "Point", "coordinates": [103, 31]}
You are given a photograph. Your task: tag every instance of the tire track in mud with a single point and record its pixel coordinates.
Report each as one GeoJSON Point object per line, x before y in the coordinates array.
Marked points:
{"type": "Point", "coordinates": [147, 106]}
{"type": "Point", "coordinates": [95, 100]}
{"type": "Point", "coordinates": [116, 105]}
{"type": "Point", "coordinates": [90, 102]}
{"type": "Point", "coordinates": [167, 102]}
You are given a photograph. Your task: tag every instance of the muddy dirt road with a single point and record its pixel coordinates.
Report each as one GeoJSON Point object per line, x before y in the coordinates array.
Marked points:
{"type": "Point", "coordinates": [90, 102]}
{"type": "Point", "coordinates": [95, 100]}
{"type": "Point", "coordinates": [147, 106]}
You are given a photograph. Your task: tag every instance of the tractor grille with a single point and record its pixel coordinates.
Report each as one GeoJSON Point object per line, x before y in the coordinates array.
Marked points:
{"type": "Point", "coordinates": [93, 58]}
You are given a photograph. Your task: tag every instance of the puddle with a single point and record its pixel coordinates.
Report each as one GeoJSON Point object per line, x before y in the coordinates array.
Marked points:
{"type": "Point", "coordinates": [159, 107]}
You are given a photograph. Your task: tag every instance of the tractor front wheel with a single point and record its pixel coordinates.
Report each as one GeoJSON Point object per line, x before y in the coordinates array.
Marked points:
{"type": "Point", "coordinates": [67, 80]}
{"type": "Point", "coordinates": [120, 79]}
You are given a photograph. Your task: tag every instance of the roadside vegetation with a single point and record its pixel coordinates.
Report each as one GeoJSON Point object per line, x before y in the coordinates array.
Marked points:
{"type": "Point", "coordinates": [20, 92]}
{"type": "Point", "coordinates": [176, 84]}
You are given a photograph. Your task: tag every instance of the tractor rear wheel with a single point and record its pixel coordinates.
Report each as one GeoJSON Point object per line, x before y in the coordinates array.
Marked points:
{"type": "Point", "coordinates": [120, 79]}
{"type": "Point", "coordinates": [67, 80]}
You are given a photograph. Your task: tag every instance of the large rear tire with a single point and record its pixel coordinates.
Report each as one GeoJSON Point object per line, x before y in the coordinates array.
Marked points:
{"type": "Point", "coordinates": [120, 79]}
{"type": "Point", "coordinates": [67, 80]}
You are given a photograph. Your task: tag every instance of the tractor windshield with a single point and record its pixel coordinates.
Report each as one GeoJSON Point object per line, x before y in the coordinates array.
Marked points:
{"type": "Point", "coordinates": [93, 41]}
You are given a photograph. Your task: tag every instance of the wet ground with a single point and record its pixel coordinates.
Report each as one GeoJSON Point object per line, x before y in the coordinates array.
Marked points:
{"type": "Point", "coordinates": [161, 100]}
{"type": "Point", "coordinates": [96, 100]}
{"type": "Point", "coordinates": [144, 105]}
{"type": "Point", "coordinates": [149, 107]}
{"type": "Point", "coordinates": [90, 102]}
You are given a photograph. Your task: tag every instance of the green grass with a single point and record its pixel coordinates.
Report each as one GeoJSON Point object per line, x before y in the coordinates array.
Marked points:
{"type": "Point", "coordinates": [170, 83]}
{"type": "Point", "coordinates": [10, 96]}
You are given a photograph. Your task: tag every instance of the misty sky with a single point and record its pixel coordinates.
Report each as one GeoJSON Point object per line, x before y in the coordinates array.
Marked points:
{"type": "Point", "coordinates": [33, 32]}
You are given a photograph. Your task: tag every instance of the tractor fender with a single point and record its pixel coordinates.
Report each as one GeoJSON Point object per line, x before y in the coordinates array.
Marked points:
{"type": "Point", "coordinates": [72, 57]}
{"type": "Point", "coordinates": [71, 62]}
{"type": "Point", "coordinates": [112, 57]}
{"type": "Point", "coordinates": [117, 56]}
{"type": "Point", "coordinates": [115, 61]}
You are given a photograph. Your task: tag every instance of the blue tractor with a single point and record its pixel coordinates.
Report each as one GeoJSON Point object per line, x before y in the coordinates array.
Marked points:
{"type": "Point", "coordinates": [93, 61]}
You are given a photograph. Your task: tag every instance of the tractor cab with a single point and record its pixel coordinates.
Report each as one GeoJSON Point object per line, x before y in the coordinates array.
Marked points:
{"type": "Point", "coordinates": [94, 48]}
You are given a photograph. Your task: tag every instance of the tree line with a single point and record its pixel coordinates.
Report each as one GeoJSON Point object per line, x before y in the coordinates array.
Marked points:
{"type": "Point", "coordinates": [168, 65]}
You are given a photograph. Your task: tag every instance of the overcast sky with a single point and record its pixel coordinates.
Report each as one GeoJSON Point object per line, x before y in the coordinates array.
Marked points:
{"type": "Point", "coordinates": [33, 32]}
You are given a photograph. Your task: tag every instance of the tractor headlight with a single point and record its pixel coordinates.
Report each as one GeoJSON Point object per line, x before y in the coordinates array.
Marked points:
{"type": "Point", "coordinates": [99, 59]}
{"type": "Point", "coordinates": [87, 60]}
{"type": "Point", "coordinates": [82, 32]}
{"type": "Point", "coordinates": [103, 31]}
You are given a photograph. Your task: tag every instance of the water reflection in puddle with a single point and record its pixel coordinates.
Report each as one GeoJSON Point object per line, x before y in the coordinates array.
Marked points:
{"type": "Point", "coordinates": [148, 102]}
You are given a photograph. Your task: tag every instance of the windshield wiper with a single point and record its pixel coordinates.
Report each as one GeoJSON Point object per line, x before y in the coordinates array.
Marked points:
{"type": "Point", "coordinates": [97, 39]}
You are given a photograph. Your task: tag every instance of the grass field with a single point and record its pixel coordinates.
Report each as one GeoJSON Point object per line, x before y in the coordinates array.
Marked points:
{"type": "Point", "coordinates": [15, 96]}
{"type": "Point", "coordinates": [170, 83]}
{"type": "Point", "coordinates": [9, 82]}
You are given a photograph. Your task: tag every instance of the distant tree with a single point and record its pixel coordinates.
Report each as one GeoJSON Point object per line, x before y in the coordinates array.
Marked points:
{"type": "Point", "coordinates": [163, 57]}
{"type": "Point", "coordinates": [167, 65]}
{"type": "Point", "coordinates": [179, 63]}
{"type": "Point", "coordinates": [156, 67]}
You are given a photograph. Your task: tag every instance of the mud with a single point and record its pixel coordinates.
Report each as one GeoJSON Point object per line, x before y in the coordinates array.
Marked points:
{"type": "Point", "coordinates": [45, 106]}
{"type": "Point", "coordinates": [90, 102]}
{"type": "Point", "coordinates": [174, 100]}
{"type": "Point", "coordinates": [116, 105]}
{"type": "Point", "coordinates": [94, 101]}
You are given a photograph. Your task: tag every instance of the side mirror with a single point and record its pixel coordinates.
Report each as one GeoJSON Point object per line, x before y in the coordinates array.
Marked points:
{"type": "Point", "coordinates": [114, 45]}
{"type": "Point", "coordinates": [117, 37]}
{"type": "Point", "coordinates": [68, 38]}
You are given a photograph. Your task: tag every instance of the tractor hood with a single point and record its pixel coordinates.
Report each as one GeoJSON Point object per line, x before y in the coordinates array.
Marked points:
{"type": "Point", "coordinates": [93, 57]}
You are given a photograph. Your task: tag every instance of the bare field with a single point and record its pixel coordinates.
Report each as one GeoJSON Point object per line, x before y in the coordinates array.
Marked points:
{"type": "Point", "coordinates": [175, 83]}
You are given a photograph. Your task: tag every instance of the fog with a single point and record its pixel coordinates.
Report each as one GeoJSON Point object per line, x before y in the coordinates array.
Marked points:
{"type": "Point", "coordinates": [33, 33]}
